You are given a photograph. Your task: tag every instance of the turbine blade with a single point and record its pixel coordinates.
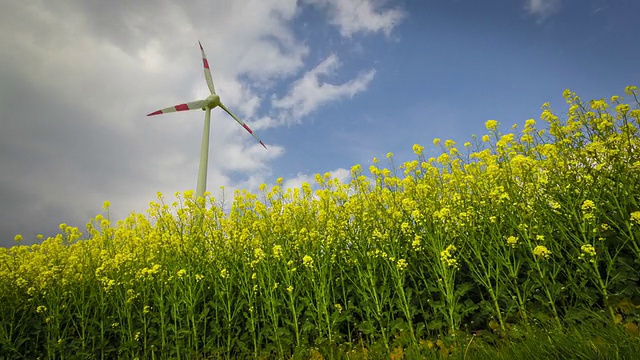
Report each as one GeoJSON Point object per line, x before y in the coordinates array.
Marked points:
{"type": "Point", "coordinates": [242, 124]}
{"type": "Point", "coordinates": [207, 71]}
{"type": "Point", "coordinates": [194, 105]}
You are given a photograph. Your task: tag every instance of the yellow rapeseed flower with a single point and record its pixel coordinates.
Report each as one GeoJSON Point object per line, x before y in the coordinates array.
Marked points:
{"type": "Point", "coordinates": [181, 272]}
{"type": "Point", "coordinates": [447, 258]}
{"type": "Point", "coordinates": [526, 139]}
{"type": "Point", "coordinates": [402, 264]}
{"type": "Point", "coordinates": [258, 254]}
{"type": "Point", "coordinates": [417, 240]}
{"type": "Point", "coordinates": [554, 205]}
{"type": "Point", "coordinates": [530, 123]}
{"type": "Point", "coordinates": [541, 252]}
{"type": "Point", "coordinates": [356, 170]}
{"type": "Point", "coordinates": [277, 251]}
{"type": "Point", "coordinates": [588, 205]}
{"type": "Point", "coordinates": [17, 238]}
{"type": "Point", "coordinates": [598, 104]}
{"type": "Point", "coordinates": [224, 273]}
{"type": "Point", "coordinates": [635, 217]}
{"type": "Point", "coordinates": [436, 141]}
{"type": "Point", "coordinates": [623, 109]}
{"type": "Point", "coordinates": [512, 240]}
{"type": "Point", "coordinates": [629, 90]}
{"type": "Point", "coordinates": [588, 249]}
{"type": "Point", "coordinates": [491, 125]}
{"type": "Point", "coordinates": [443, 158]}
{"type": "Point", "coordinates": [417, 149]}
{"type": "Point", "coordinates": [307, 261]}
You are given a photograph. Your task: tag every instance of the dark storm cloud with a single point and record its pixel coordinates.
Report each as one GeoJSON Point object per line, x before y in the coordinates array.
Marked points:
{"type": "Point", "coordinates": [74, 91]}
{"type": "Point", "coordinates": [55, 157]}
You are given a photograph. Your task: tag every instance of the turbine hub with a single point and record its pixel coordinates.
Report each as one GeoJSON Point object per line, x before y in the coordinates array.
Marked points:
{"type": "Point", "coordinates": [213, 100]}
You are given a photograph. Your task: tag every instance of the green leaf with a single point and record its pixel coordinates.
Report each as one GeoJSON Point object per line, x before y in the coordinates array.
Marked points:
{"type": "Point", "coordinates": [399, 324]}
{"type": "Point", "coordinates": [366, 327]}
{"type": "Point", "coordinates": [435, 324]}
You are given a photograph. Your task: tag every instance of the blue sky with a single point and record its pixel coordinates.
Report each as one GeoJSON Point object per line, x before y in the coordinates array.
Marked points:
{"type": "Point", "coordinates": [326, 84]}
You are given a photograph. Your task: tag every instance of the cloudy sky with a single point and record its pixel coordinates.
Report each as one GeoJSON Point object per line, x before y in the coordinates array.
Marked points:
{"type": "Point", "coordinates": [326, 84]}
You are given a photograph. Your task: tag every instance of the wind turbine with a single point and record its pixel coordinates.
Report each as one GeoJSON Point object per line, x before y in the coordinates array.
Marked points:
{"type": "Point", "coordinates": [207, 104]}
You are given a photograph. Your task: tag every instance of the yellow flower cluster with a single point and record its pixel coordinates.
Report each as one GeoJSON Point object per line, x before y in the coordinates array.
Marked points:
{"type": "Point", "coordinates": [588, 252]}
{"type": "Point", "coordinates": [402, 264]}
{"type": "Point", "coordinates": [277, 251]}
{"type": "Point", "coordinates": [258, 255]}
{"type": "Point", "coordinates": [491, 125]}
{"type": "Point", "coordinates": [541, 251]}
{"type": "Point", "coordinates": [512, 241]}
{"type": "Point", "coordinates": [307, 261]}
{"type": "Point", "coordinates": [588, 206]}
{"type": "Point", "coordinates": [149, 272]}
{"type": "Point", "coordinates": [224, 273]}
{"type": "Point", "coordinates": [447, 258]}
{"type": "Point", "coordinates": [416, 243]}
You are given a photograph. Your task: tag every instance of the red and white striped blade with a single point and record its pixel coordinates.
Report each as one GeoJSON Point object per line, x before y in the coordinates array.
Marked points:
{"type": "Point", "coordinates": [194, 105]}
{"type": "Point", "coordinates": [207, 71]}
{"type": "Point", "coordinates": [243, 125]}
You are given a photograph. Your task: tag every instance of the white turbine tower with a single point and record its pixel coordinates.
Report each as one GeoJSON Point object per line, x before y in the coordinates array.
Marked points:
{"type": "Point", "coordinates": [207, 104]}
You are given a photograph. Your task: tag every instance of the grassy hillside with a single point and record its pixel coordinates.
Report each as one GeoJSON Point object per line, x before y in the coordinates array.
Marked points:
{"type": "Point", "coordinates": [518, 245]}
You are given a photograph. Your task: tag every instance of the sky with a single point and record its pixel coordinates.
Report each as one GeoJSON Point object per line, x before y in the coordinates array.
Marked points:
{"type": "Point", "coordinates": [326, 84]}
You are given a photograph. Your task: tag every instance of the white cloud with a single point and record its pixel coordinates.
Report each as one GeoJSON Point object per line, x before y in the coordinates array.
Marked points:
{"type": "Point", "coordinates": [542, 8]}
{"type": "Point", "coordinates": [354, 16]}
{"type": "Point", "coordinates": [80, 78]}
{"type": "Point", "coordinates": [310, 92]}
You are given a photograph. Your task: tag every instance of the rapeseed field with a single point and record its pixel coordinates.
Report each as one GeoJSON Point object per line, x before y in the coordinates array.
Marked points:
{"type": "Point", "coordinates": [511, 237]}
